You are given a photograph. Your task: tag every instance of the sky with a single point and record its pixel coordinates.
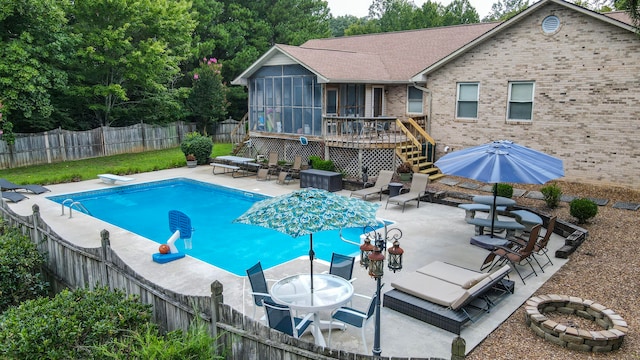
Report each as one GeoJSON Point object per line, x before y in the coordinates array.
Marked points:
{"type": "Point", "coordinates": [360, 8]}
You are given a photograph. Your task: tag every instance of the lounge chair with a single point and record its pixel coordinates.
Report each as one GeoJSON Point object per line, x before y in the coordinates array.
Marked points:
{"type": "Point", "coordinates": [272, 165]}
{"type": "Point", "coordinates": [13, 196]}
{"type": "Point", "coordinates": [540, 248]}
{"type": "Point", "coordinates": [8, 185]}
{"type": "Point", "coordinates": [297, 166]}
{"type": "Point", "coordinates": [284, 178]}
{"type": "Point", "coordinates": [263, 175]}
{"type": "Point", "coordinates": [418, 189]}
{"type": "Point", "coordinates": [279, 317]}
{"type": "Point", "coordinates": [382, 183]}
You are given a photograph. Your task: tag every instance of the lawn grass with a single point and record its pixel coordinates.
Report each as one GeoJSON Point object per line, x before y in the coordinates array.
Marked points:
{"type": "Point", "coordinates": [123, 164]}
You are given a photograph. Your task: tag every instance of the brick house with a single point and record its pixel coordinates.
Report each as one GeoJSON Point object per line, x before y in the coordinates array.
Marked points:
{"type": "Point", "coordinates": [557, 77]}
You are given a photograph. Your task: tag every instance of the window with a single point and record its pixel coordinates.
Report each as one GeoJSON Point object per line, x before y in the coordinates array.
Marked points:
{"type": "Point", "coordinates": [414, 100]}
{"type": "Point", "coordinates": [467, 106]}
{"type": "Point", "coordinates": [520, 101]}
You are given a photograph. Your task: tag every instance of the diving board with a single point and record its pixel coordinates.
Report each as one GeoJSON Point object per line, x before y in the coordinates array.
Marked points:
{"type": "Point", "coordinates": [111, 178]}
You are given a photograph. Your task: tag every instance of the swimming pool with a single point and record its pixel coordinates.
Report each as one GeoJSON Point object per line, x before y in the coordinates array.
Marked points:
{"type": "Point", "coordinates": [143, 209]}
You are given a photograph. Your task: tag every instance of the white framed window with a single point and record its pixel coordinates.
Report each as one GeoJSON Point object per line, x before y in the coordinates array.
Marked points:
{"type": "Point", "coordinates": [520, 100]}
{"type": "Point", "coordinates": [467, 103]}
{"type": "Point", "coordinates": [414, 100]}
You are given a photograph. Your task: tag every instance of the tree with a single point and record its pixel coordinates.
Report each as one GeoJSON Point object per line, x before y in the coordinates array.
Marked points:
{"type": "Point", "coordinates": [339, 24]}
{"type": "Point", "coordinates": [207, 100]}
{"type": "Point", "coordinates": [505, 9]}
{"type": "Point", "coordinates": [460, 12]}
{"type": "Point", "coordinates": [34, 44]}
{"type": "Point", "coordinates": [130, 51]}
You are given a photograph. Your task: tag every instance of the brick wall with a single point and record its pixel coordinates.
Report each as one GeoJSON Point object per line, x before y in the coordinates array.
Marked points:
{"type": "Point", "coordinates": [587, 95]}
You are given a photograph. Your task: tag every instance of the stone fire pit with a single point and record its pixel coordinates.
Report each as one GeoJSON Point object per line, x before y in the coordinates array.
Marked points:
{"type": "Point", "coordinates": [614, 328]}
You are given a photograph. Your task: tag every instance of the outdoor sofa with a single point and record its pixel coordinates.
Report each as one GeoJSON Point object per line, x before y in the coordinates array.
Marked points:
{"type": "Point", "coordinates": [446, 295]}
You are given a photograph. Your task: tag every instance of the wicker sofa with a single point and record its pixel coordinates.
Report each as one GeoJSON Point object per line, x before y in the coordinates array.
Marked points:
{"type": "Point", "coordinates": [446, 295]}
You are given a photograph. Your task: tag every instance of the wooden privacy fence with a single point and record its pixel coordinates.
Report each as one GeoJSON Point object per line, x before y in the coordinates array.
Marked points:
{"type": "Point", "coordinates": [239, 337]}
{"type": "Point", "coordinates": [62, 145]}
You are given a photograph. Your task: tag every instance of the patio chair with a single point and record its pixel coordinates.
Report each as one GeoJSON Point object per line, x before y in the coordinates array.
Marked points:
{"type": "Point", "coordinates": [382, 183]}
{"type": "Point", "coordinates": [263, 175]}
{"type": "Point", "coordinates": [284, 177]}
{"type": "Point", "coordinates": [515, 256]}
{"type": "Point", "coordinates": [13, 196]}
{"type": "Point", "coordinates": [297, 166]}
{"type": "Point", "coordinates": [342, 265]}
{"type": "Point", "coordinates": [418, 189]}
{"type": "Point", "coordinates": [354, 317]}
{"type": "Point", "coordinates": [540, 248]}
{"type": "Point", "coordinates": [259, 289]}
{"type": "Point", "coordinates": [279, 317]}
{"type": "Point", "coordinates": [272, 165]}
{"type": "Point", "coordinates": [8, 185]}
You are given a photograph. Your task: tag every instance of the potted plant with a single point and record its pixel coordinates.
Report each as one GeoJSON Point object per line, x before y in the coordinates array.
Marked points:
{"type": "Point", "coordinates": [191, 161]}
{"type": "Point", "coordinates": [404, 170]}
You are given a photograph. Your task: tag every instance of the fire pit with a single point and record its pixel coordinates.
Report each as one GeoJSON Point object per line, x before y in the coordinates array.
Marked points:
{"type": "Point", "coordinates": [567, 334]}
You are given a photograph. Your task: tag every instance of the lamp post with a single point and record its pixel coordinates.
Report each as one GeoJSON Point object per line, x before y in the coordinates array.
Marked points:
{"type": "Point", "coordinates": [372, 257]}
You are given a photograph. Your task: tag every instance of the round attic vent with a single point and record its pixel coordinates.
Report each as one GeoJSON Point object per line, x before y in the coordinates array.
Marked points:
{"type": "Point", "coordinates": [550, 24]}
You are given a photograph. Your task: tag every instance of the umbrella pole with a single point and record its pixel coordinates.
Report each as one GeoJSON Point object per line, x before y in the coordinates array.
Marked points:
{"type": "Point", "coordinates": [311, 256]}
{"type": "Point", "coordinates": [493, 209]}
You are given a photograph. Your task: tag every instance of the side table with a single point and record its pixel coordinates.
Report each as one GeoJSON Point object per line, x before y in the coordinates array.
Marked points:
{"type": "Point", "coordinates": [394, 189]}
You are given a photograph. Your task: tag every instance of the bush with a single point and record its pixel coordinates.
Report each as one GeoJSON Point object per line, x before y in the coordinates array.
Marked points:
{"type": "Point", "coordinates": [70, 325]}
{"type": "Point", "coordinates": [198, 145]}
{"type": "Point", "coordinates": [505, 190]}
{"type": "Point", "coordinates": [551, 194]}
{"type": "Point", "coordinates": [583, 209]}
{"type": "Point", "coordinates": [320, 164]}
{"type": "Point", "coordinates": [20, 266]}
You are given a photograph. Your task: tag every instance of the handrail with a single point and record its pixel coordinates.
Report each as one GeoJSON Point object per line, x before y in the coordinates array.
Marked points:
{"type": "Point", "coordinates": [78, 205]}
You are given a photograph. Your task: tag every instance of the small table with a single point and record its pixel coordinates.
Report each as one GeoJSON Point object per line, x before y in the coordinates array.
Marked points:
{"type": "Point", "coordinates": [394, 189]}
{"type": "Point", "coordinates": [329, 292]}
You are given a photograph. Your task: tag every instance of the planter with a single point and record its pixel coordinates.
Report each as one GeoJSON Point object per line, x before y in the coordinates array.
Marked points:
{"type": "Point", "coordinates": [405, 176]}
{"type": "Point", "coordinates": [192, 163]}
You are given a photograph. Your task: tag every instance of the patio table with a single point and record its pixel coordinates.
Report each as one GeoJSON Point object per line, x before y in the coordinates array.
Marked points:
{"type": "Point", "coordinates": [329, 292]}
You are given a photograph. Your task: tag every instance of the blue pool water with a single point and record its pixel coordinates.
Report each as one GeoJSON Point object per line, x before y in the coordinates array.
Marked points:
{"type": "Point", "coordinates": [143, 209]}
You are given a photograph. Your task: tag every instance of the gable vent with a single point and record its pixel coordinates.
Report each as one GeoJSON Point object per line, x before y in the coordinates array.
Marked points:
{"type": "Point", "coordinates": [550, 24]}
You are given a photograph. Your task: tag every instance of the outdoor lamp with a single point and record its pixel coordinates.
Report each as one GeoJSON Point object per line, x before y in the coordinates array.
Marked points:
{"type": "Point", "coordinates": [365, 250]}
{"type": "Point", "coordinates": [395, 257]}
{"type": "Point", "coordinates": [376, 263]}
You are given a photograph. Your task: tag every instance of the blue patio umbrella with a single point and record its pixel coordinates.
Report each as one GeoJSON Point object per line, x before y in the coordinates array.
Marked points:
{"type": "Point", "coordinates": [501, 161]}
{"type": "Point", "coordinates": [308, 211]}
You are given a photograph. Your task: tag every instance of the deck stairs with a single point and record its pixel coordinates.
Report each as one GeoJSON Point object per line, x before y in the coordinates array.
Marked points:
{"type": "Point", "coordinates": [418, 150]}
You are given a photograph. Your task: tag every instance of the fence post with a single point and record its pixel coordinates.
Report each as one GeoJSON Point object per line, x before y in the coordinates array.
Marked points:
{"type": "Point", "coordinates": [458, 348]}
{"type": "Point", "coordinates": [35, 234]}
{"type": "Point", "coordinates": [106, 256]}
{"type": "Point", "coordinates": [216, 300]}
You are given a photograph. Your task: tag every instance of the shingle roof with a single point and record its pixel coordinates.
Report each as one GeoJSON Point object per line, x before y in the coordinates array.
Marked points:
{"type": "Point", "coordinates": [383, 57]}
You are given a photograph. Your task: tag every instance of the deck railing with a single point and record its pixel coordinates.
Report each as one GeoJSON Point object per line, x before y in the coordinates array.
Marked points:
{"type": "Point", "coordinates": [362, 132]}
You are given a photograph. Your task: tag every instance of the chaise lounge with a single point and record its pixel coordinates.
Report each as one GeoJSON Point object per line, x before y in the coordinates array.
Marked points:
{"type": "Point", "coordinates": [382, 183]}
{"type": "Point", "coordinates": [446, 295]}
{"type": "Point", "coordinates": [8, 185]}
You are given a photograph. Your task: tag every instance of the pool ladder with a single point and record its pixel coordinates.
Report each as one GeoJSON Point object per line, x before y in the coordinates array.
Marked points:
{"type": "Point", "coordinates": [77, 204]}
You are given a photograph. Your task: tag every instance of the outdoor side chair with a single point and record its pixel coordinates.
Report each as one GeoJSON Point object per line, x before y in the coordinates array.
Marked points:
{"type": "Point", "coordinates": [354, 317]}
{"type": "Point", "coordinates": [259, 288]}
{"type": "Point", "coordinates": [342, 265]}
{"type": "Point", "coordinates": [515, 256]}
{"type": "Point", "coordinates": [540, 248]}
{"type": "Point", "coordinates": [279, 317]}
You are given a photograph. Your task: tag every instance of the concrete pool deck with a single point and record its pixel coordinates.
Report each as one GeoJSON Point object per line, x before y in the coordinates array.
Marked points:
{"type": "Point", "coordinates": [431, 232]}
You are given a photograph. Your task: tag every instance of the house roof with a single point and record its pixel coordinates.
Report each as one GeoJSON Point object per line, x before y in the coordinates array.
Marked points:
{"type": "Point", "coordinates": [403, 56]}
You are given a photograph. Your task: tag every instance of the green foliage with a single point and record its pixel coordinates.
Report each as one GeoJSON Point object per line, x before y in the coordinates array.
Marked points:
{"type": "Point", "coordinates": [123, 164]}
{"type": "Point", "coordinates": [6, 129]}
{"type": "Point", "coordinates": [505, 9]}
{"type": "Point", "coordinates": [70, 324]}
{"type": "Point", "coordinates": [149, 344]}
{"type": "Point", "coordinates": [404, 168]}
{"type": "Point", "coordinates": [320, 164]}
{"type": "Point", "coordinates": [583, 209]}
{"type": "Point", "coordinates": [551, 194]}
{"type": "Point", "coordinates": [505, 190]}
{"type": "Point", "coordinates": [207, 100]}
{"type": "Point", "coordinates": [198, 145]}
{"type": "Point", "coordinates": [20, 266]}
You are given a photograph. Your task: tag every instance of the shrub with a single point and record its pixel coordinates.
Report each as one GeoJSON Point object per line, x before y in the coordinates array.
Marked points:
{"type": "Point", "coordinates": [198, 145]}
{"type": "Point", "coordinates": [505, 190]}
{"type": "Point", "coordinates": [320, 164]}
{"type": "Point", "coordinates": [551, 194]}
{"type": "Point", "coordinates": [20, 266]}
{"type": "Point", "coordinates": [583, 209]}
{"type": "Point", "coordinates": [70, 325]}
{"type": "Point", "coordinates": [404, 168]}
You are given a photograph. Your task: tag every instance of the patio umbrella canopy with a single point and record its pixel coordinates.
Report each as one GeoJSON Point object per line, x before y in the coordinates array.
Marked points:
{"type": "Point", "coordinates": [501, 161]}
{"type": "Point", "coordinates": [307, 211]}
